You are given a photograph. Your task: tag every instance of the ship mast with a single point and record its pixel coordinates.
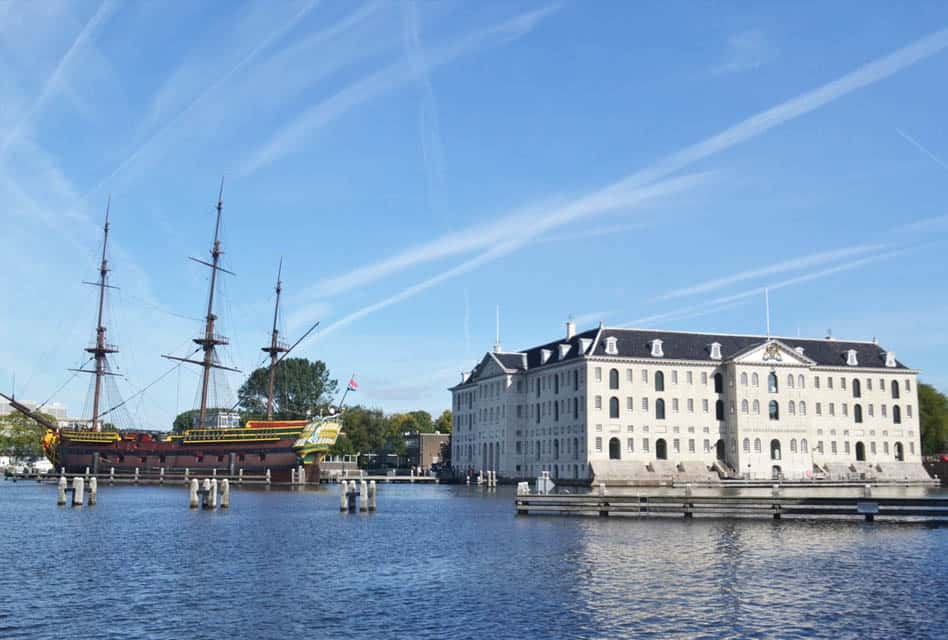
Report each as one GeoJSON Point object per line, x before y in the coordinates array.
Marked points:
{"type": "Point", "coordinates": [210, 340]}
{"type": "Point", "coordinates": [101, 349]}
{"type": "Point", "coordinates": [276, 347]}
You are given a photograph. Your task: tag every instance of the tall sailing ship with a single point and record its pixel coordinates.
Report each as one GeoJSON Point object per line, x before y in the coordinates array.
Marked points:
{"type": "Point", "coordinates": [216, 442]}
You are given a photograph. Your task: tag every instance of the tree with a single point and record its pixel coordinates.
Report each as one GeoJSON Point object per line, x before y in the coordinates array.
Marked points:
{"type": "Point", "coordinates": [21, 437]}
{"type": "Point", "coordinates": [301, 387]}
{"type": "Point", "coordinates": [444, 422]}
{"type": "Point", "coordinates": [933, 419]}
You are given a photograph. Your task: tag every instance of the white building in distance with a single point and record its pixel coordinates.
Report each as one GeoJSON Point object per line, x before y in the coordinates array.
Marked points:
{"type": "Point", "coordinates": [642, 406]}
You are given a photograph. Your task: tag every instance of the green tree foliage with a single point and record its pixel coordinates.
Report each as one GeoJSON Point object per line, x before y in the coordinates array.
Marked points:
{"type": "Point", "coordinates": [21, 437]}
{"type": "Point", "coordinates": [301, 387]}
{"type": "Point", "coordinates": [933, 418]}
{"type": "Point", "coordinates": [444, 422]}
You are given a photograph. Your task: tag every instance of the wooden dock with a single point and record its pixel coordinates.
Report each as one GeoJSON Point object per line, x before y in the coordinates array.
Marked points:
{"type": "Point", "coordinates": [776, 507]}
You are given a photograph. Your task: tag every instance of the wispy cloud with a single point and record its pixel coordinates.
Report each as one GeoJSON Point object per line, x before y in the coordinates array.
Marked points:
{"type": "Point", "coordinates": [795, 264]}
{"type": "Point", "coordinates": [475, 238]}
{"type": "Point", "coordinates": [745, 52]}
{"type": "Point", "coordinates": [590, 318]}
{"type": "Point", "coordinates": [725, 302]}
{"type": "Point", "coordinates": [290, 137]}
{"type": "Point", "coordinates": [918, 145]}
{"type": "Point", "coordinates": [935, 224]}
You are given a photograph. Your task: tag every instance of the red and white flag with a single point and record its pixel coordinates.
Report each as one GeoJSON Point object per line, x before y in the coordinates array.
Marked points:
{"type": "Point", "coordinates": [353, 385]}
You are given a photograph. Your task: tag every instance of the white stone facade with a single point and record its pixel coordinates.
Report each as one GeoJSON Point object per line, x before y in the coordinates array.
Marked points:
{"type": "Point", "coordinates": [587, 409]}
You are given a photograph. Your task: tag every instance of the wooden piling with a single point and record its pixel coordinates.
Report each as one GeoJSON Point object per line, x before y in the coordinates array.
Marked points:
{"type": "Point", "coordinates": [111, 475]}
{"type": "Point", "coordinates": [206, 492]}
{"type": "Point", "coordinates": [93, 490]}
{"type": "Point", "coordinates": [301, 475]}
{"type": "Point", "coordinates": [343, 495]}
{"type": "Point", "coordinates": [61, 497]}
{"type": "Point", "coordinates": [78, 491]}
{"type": "Point", "coordinates": [268, 477]}
{"type": "Point", "coordinates": [193, 493]}
{"type": "Point", "coordinates": [372, 495]}
{"type": "Point", "coordinates": [225, 493]}
{"type": "Point", "coordinates": [212, 497]}
{"type": "Point", "coordinates": [363, 496]}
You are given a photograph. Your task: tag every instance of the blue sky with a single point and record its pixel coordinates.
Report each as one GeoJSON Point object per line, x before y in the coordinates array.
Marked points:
{"type": "Point", "coordinates": [418, 164]}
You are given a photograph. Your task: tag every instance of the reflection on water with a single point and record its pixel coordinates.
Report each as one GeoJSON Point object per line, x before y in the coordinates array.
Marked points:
{"type": "Point", "coordinates": [452, 562]}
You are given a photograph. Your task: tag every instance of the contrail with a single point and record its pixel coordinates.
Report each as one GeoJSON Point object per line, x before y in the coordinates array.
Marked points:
{"type": "Point", "coordinates": [918, 145]}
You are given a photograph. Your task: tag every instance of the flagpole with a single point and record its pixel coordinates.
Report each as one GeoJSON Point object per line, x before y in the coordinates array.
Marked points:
{"type": "Point", "coordinates": [346, 392]}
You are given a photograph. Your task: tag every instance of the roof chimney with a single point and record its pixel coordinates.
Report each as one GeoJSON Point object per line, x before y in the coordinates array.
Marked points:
{"type": "Point", "coordinates": [570, 329]}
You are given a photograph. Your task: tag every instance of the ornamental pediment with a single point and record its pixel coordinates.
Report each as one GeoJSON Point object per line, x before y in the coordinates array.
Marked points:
{"type": "Point", "coordinates": [772, 352]}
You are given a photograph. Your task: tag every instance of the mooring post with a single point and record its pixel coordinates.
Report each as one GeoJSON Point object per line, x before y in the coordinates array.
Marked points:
{"type": "Point", "coordinates": [268, 477]}
{"type": "Point", "coordinates": [213, 498]}
{"type": "Point", "coordinates": [61, 498]}
{"type": "Point", "coordinates": [205, 492]}
{"type": "Point", "coordinates": [93, 490]}
{"type": "Point", "coordinates": [225, 493]}
{"type": "Point", "coordinates": [78, 491]}
{"type": "Point", "coordinates": [467, 479]}
{"type": "Point", "coordinates": [412, 475]}
{"type": "Point", "coordinates": [111, 475]}
{"type": "Point", "coordinates": [363, 496]}
{"type": "Point", "coordinates": [136, 475]}
{"type": "Point", "coordinates": [292, 476]}
{"type": "Point", "coordinates": [301, 475]}
{"type": "Point", "coordinates": [372, 495]}
{"type": "Point", "coordinates": [87, 473]}
{"type": "Point", "coordinates": [353, 491]}
{"type": "Point", "coordinates": [214, 472]}
{"type": "Point", "coordinates": [193, 494]}
{"type": "Point", "coordinates": [343, 491]}
{"type": "Point", "coordinates": [161, 476]}
{"type": "Point", "coordinates": [240, 476]}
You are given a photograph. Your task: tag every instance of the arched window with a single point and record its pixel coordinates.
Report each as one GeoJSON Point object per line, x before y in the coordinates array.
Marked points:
{"type": "Point", "coordinates": [899, 452]}
{"type": "Point", "coordinates": [744, 406]}
{"type": "Point", "coordinates": [756, 407]}
{"type": "Point", "coordinates": [802, 407]}
{"type": "Point", "coordinates": [615, 449]}
{"type": "Point", "coordinates": [747, 445]}
{"type": "Point", "coordinates": [719, 410]}
{"type": "Point", "coordinates": [896, 414]}
{"type": "Point", "coordinates": [775, 449]}
{"type": "Point", "coordinates": [661, 449]}
{"type": "Point", "coordinates": [613, 378]}
{"type": "Point", "coordinates": [659, 381]}
{"type": "Point", "coordinates": [790, 381]}
{"type": "Point", "coordinates": [804, 447]}
{"type": "Point", "coordinates": [857, 388]}
{"type": "Point", "coordinates": [756, 445]}
{"type": "Point", "coordinates": [774, 410]}
{"type": "Point", "coordinates": [659, 409]}
{"type": "Point", "coordinates": [718, 383]}
{"type": "Point", "coordinates": [613, 407]}
{"type": "Point", "coordinates": [791, 408]}
{"type": "Point", "coordinates": [860, 452]}
{"type": "Point", "coordinates": [801, 381]}
{"type": "Point", "coordinates": [744, 379]}
{"type": "Point", "coordinates": [857, 412]}
{"type": "Point", "coordinates": [793, 445]}
{"type": "Point", "coordinates": [755, 380]}
{"type": "Point", "coordinates": [772, 382]}
{"type": "Point", "coordinates": [895, 390]}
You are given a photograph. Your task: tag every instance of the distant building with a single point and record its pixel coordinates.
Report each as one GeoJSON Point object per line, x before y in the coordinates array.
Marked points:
{"type": "Point", "coordinates": [629, 405]}
{"type": "Point", "coordinates": [424, 449]}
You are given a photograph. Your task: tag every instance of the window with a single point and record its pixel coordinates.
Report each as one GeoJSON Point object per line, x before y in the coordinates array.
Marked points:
{"type": "Point", "coordinates": [556, 411]}
{"type": "Point", "coordinates": [676, 445]}
{"type": "Point", "coordinates": [745, 408]}
{"type": "Point", "coordinates": [803, 446]}
{"type": "Point", "coordinates": [659, 409]}
{"type": "Point", "coordinates": [629, 404]}
{"type": "Point", "coordinates": [747, 445]}
{"type": "Point", "coordinates": [756, 407]}
{"type": "Point", "coordinates": [645, 404]}
{"type": "Point", "coordinates": [845, 408]}
{"type": "Point", "coordinates": [791, 408]}
{"type": "Point", "coordinates": [775, 449]}
{"type": "Point", "coordinates": [691, 405]}
{"type": "Point", "coordinates": [882, 409]}
{"type": "Point", "coordinates": [598, 403]}
{"type": "Point", "coordinates": [829, 382]}
{"type": "Point", "coordinates": [896, 414]}
{"type": "Point", "coordinates": [908, 410]}
{"type": "Point", "coordinates": [846, 447]}
{"type": "Point", "coordinates": [613, 407]}
{"type": "Point", "coordinates": [615, 449]}
{"type": "Point", "coordinates": [793, 445]}
{"type": "Point", "coordinates": [598, 445]}
{"type": "Point", "coordinates": [707, 446]}
{"type": "Point", "coordinates": [719, 410]}
{"type": "Point", "coordinates": [645, 445]}
{"type": "Point", "coordinates": [802, 407]}
{"type": "Point", "coordinates": [611, 348]}
{"type": "Point", "coordinates": [755, 380]}
{"type": "Point", "coordinates": [833, 447]}
{"type": "Point", "coordinates": [674, 405]}
{"type": "Point", "coordinates": [816, 382]}
{"type": "Point", "coordinates": [857, 413]}
{"type": "Point", "coordinates": [790, 381]}
{"type": "Point", "coordinates": [756, 445]}
{"type": "Point", "coordinates": [598, 373]}
{"type": "Point", "coordinates": [659, 381]}
{"type": "Point", "coordinates": [629, 376]}
{"type": "Point", "coordinates": [718, 383]}
{"type": "Point", "coordinates": [691, 445]}
{"type": "Point", "coordinates": [908, 384]}
{"type": "Point", "coordinates": [689, 377]}
{"type": "Point", "coordinates": [895, 390]}
{"type": "Point", "coordinates": [704, 377]}
{"type": "Point", "coordinates": [644, 375]}
{"type": "Point", "coordinates": [832, 409]}
{"type": "Point", "coordinates": [705, 405]}
{"type": "Point", "coordinates": [857, 388]}
{"type": "Point", "coordinates": [819, 447]}
{"type": "Point", "coordinates": [801, 381]}
{"type": "Point", "coordinates": [613, 378]}
{"type": "Point", "coordinates": [661, 449]}
{"type": "Point", "coordinates": [674, 377]}
{"type": "Point", "coordinates": [842, 383]}
{"type": "Point", "coordinates": [819, 409]}
{"type": "Point", "coordinates": [774, 410]}
{"type": "Point", "coordinates": [772, 382]}
{"type": "Point", "coordinates": [630, 444]}
{"type": "Point", "coordinates": [744, 379]}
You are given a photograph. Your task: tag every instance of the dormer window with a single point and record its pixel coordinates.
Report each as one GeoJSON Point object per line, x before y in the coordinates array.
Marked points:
{"type": "Point", "coordinates": [657, 349]}
{"type": "Point", "coordinates": [584, 344]}
{"type": "Point", "coordinates": [851, 358]}
{"type": "Point", "coordinates": [890, 359]}
{"type": "Point", "coordinates": [611, 347]}
{"type": "Point", "coordinates": [799, 350]}
{"type": "Point", "coordinates": [715, 350]}
{"type": "Point", "coordinates": [564, 349]}
{"type": "Point", "coordinates": [545, 355]}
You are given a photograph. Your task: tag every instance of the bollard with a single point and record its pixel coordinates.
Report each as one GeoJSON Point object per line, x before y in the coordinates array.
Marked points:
{"type": "Point", "coordinates": [136, 475]}
{"type": "Point", "coordinates": [193, 494]}
{"type": "Point", "coordinates": [87, 473]}
{"type": "Point", "coordinates": [161, 476]}
{"type": "Point", "coordinates": [111, 475]}
{"type": "Point", "coordinates": [268, 477]}
{"type": "Point", "coordinates": [61, 499]}
{"type": "Point", "coordinates": [187, 473]}
{"type": "Point", "coordinates": [412, 475]}
{"type": "Point", "coordinates": [205, 492]}
{"type": "Point", "coordinates": [372, 494]}
{"type": "Point", "coordinates": [240, 476]}
{"type": "Point", "coordinates": [214, 472]}
{"type": "Point", "coordinates": [212, 500]}
{"type": "Point", "coordinates": [343, 491]}
{"type": "Point", "coordinates": [602, 488]}
{"type": "Point", "coordinates": [292, 476]}
{"type": "Point", "coordinates": [78, 491]}
{"type": "Point", "coordinates": [776, 490]}
{"type": "Point", "coordinates": [225, 493]}
{"type": "Point", "coordinates": [302, 475]}
{"type": "Point", "coordinates": [93, 490]}
{"type": "Point", "coordinates": [523, 488]}
{"type": "Point", "coordinates": [867, 490]}
{"type": "Point", "coordinates": [363, 496]}
{"type": "Point", "coordinates": [467, 479]}
{"type": "Point", "coordinates": [351, 498]}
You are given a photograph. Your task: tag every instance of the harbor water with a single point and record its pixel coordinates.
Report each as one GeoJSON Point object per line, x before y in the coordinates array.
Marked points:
{"type": "Point", "coordinates": [445, 561]}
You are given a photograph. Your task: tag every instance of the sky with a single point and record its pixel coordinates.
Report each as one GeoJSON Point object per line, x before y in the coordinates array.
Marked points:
{"type": "Point", "coordinates": [418, 166]}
